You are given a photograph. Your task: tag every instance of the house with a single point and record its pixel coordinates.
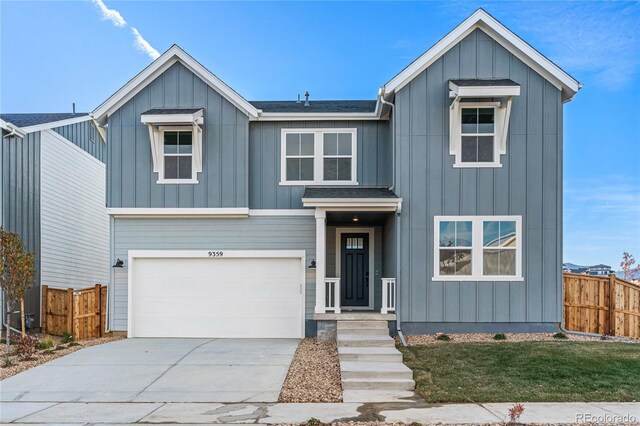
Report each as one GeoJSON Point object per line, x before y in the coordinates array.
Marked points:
{"type": "Point", "coordinates": [53, 191]}
{"type": "Point", "coordinates": [600, 269]}
{"type": "Point", "coordinates": [436, 206]}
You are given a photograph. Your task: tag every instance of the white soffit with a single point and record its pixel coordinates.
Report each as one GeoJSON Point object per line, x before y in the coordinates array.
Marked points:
{"type": "Point", "coordinates": [514, 44]}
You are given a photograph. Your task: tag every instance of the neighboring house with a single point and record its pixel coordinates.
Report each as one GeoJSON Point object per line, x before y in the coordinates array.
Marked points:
{"type": "Point", "coordinates": [441, 199]}
{"type": "Point", "coordinates": [602, 270]}
{"type": "Point", "coordinates": [53, 191]}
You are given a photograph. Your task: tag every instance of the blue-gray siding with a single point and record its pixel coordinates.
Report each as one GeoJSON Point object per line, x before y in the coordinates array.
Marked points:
{"type": "Point", "coordinates": [265, 191]}
{"type": "Point", "coordinates": [254, 233]}
{"type": "Point", "coordinates": [21, 200]}
{"type": "Point", "coordinates": [527, 184]}
{"type": "Point", "coordinates": [223, 181]}
{"type": "Point", "coordinates": [86, 136]}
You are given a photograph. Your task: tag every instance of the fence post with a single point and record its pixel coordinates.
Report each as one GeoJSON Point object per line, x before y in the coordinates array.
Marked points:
{"type": "Point", "coordinates": [97, 305]}
{"type": "Point", "coordinates": [76, 320]}
{"type": "Point", "coordinates": [612, 304]}
{"type": "Point", "coordinates": [70, 310]}
{"type": "Point", "coordinates": [44, 313]}
{"type": "Point", "coordinates": [103, 310]}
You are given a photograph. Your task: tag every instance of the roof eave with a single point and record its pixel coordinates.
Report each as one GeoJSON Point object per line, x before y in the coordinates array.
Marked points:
{"type": "Point", "coordinates": [12, 129]}
{"type": "Point", "coordinates": [316, 116]}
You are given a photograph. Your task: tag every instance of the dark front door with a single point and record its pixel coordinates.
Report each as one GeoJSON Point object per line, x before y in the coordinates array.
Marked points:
{"type": "Point", "coordinates": [354, 270]}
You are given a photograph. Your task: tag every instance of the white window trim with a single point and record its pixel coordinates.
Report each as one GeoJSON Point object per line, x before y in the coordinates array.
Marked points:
{"type": "Point", "coordinates": [161, 131]}
{"type": "Point", "coordinates": [502, 113]}
{"type": "Point", "coordinates": [476, 249]}
{"type": "Point", "coordinates": [318, 157]}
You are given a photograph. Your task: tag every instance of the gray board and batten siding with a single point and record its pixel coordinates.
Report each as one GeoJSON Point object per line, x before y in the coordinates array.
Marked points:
{"type": "Point", "coordinates": [21, 201]}
{"type": "Point", "coordinates": [223, 181]}
{"type": "Point", "coordinates": [265, 192]}
{"type": "Point", "coordinates": [527, 184]}
{"type": "Point", "coordinates": [85, 135]}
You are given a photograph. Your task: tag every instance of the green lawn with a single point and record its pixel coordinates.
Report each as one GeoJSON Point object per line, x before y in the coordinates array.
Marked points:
{"type": "Point", "coordinates": [526, 371]}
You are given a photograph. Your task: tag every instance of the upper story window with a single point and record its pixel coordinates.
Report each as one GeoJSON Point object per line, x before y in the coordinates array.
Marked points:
{"type": "Point", "coordinates": [177, 155]}
{"type": "Point", "coordinates": [478, 129]}
{"type": "Point", "coordinates": [318, 157]}
{"type": "Point", "coordinates": [478, 248]}
{"type": "Point", "coordinates": [176, 143]}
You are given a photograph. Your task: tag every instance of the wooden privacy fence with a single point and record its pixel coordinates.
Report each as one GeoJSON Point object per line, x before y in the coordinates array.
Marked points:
{"type": "Point", "coordinates": [79, 312]}
{"type": "Point", "coordinates": [601, 305]}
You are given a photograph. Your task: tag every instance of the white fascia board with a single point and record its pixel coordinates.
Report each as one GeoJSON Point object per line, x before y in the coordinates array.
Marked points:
{"type": "Point", "coordinates": [157, 67]}
{"type": "Point", "coordinates": [59, 123]}
{"type": "Point", "coordinates": [370, 204]}
{"type": "Point", "coordinates": [17, 131]}
{"type": "Point", "coordinates": [482, 91]}
{"type": "Point", "coordinates": [510, 41]}
{"type": "Point", "coordinates": [319, 116]}
{"type": "Point", "coordinates": [196, 117]}
{"type": "Point", "coordinates": [179, 212]}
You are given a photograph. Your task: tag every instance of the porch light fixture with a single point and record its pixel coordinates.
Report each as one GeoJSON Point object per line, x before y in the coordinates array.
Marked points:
{"type": "Point", "coordinates": [313, 264]}
{"type": "Point", "coordinates": [355, 218]}
{"type": "Point", "coordinates": [119, 264]}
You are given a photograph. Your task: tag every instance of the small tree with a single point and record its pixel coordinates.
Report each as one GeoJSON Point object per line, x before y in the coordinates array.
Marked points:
{"type": "Point", "coordinates": [628, 270]}
{"type": "Point", "coordinates": [17, 268]}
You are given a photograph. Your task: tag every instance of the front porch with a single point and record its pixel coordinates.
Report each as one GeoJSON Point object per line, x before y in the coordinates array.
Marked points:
{"type": "Point", "coordinates": [356, 252]}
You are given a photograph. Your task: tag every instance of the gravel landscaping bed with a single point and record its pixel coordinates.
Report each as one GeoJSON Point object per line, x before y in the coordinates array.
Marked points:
{"type": "Point", "coordinates": [431, 339]}
{"type": "Point", "coordinates": [314, 374]}
{"type": "Point", "coordinates": [41, 356]}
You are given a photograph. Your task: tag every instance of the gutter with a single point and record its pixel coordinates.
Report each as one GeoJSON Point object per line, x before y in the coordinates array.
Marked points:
{"type": "Point", "coordinates": [398, 218]}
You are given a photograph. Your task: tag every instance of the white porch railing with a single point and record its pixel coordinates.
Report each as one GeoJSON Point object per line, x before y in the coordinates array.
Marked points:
{"type": "Point", "coordinates": [388, 295]}
{"type": "Point", "coordinates": [332, 294]}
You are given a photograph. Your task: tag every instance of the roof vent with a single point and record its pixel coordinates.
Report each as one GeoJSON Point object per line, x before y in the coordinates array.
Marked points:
{"type": "Point", "coordinates": [74, 107]}
{"type": "Point", "coordinates": [298, 101]}
{"type": "Point", "coordinates": [306, 98]}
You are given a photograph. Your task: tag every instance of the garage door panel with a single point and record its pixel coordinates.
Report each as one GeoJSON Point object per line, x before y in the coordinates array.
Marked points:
{"type": "Point", "coordinates": [229, 297]}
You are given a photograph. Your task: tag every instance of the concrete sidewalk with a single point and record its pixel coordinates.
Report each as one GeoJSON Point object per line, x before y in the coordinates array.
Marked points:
{"type": "Point", "coordinates": [200, 413]}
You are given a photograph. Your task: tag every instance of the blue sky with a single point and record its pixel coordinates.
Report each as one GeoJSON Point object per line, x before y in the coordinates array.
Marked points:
{"type": "Point", "coordinates": [55, 53]}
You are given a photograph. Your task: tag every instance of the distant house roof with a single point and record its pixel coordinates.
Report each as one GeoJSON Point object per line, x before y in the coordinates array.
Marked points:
{"type": "Point", "coordinates": [316, 106]}
{"type": "Point", "coordinates": [33, 119]}
{"type": "Point", "coordinates": [488, 82]}
{"type": "Point", "coordinates": [600, 266]}
{"type": "Point", "coordinates": [348, 192]}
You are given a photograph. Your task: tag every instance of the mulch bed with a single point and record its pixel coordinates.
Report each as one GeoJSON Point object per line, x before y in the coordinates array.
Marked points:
{"type": "Point", "coordinates": [431, 339]}
{"type": "Point", "coordinates": [314, 374]}
{"type": "Point", "coordinates": [41, 356]}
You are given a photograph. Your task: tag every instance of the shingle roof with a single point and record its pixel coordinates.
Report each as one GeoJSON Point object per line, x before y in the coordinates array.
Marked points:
{"type": "Point", "coordinates": [316, 106]}
{"type": "Point", "coordinates": [348, 192]}
{"type": "Point", "coordinates": [484, 82]}
{"type": "Point", "coordinates": [33, 119]}
{"type": "Point", "coordinates": [172, 111]}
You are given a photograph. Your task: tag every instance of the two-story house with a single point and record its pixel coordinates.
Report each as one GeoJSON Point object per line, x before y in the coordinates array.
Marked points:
{"type": "Point", "coordinates": [437, 205]}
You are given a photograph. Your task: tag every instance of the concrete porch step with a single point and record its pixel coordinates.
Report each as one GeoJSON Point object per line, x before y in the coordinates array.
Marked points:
{"type": "Point", "coordinates": [365, 331]}
{"type": "Point", "coordinates": [375, 354]}
{"type": "Point", "coordinates": [375, 370]}
{"type": "Point", "coordinates": [354, 340]}
{"type": "Point", "coordinates": [378, 384]}
{"type": "Point", "coordinates": [363, 325]}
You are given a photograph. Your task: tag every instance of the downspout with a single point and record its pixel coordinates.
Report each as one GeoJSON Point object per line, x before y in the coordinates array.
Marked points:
{"type": "Point", "coordinates": [398, 219]}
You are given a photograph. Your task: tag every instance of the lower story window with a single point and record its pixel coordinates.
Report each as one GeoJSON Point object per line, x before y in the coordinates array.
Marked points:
{"type": "Point", "coordinates": [478, 248]}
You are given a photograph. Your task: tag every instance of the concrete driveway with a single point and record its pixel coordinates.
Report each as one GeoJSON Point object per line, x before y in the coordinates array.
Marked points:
{"type": "Point", "coordinates": [160, 370]}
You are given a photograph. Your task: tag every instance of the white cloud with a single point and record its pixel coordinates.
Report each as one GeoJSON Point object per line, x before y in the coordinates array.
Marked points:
{"type": "Point", "coordinates": [143, 45]}
{"type": "Point", "coordinates": [110, 14]}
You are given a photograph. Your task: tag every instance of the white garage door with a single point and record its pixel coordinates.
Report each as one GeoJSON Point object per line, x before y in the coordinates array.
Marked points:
{"type": "Point", "coordinates": [216, 297]}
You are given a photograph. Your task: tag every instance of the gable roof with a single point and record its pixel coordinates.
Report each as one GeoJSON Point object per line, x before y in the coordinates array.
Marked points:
{"type": "Point", "coordinates": [165, 61]}
{"type": "Point", "coordinates": [514, 44]}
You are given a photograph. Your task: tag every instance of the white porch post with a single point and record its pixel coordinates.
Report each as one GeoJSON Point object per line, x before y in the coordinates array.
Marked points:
{"type": "Point", "coordinates": [321, 218]}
